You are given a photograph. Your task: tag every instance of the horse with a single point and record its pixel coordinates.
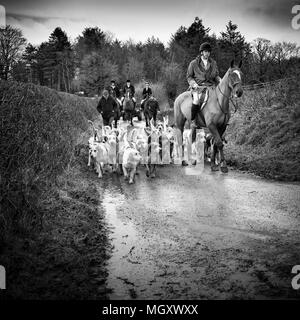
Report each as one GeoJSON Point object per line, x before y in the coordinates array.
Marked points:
{"type": "Point", "coordinates": [128, 107]}
{"type": "Point", "coordinates": [117, 114]}
{"type": "Point", "coordinates": [151, 107]}
{"type": "Point", "coordinates": [215, 114]}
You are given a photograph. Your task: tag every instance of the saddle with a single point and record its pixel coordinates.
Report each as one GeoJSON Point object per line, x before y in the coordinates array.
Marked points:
{"type": "Point", "coordinates": [203, 94]}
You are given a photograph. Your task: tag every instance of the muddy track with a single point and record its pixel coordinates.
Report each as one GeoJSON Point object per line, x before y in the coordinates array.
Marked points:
{"type": "Point", "coordinates": [178, 236]}
{"type": "Point", "coordinates": [212, 236]}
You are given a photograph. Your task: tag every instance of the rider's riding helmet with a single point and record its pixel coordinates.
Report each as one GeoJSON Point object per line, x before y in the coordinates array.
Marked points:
{"type": "Point", "coordinates": [205, 46]}
{"type": "Point", "coordinates": [113, 82]}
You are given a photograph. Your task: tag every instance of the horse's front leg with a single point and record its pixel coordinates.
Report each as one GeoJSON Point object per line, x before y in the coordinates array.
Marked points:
{"type": "Point", "coordinates": [224, 167]}
{"type": "Point", "coordinates": [213, 165]}
{"type": "Point", "coordinates": [217, 145]}
{"type": "Point", "coordinates": [131, 118]}
{"type": "Point", "coordinates": [154, 119]}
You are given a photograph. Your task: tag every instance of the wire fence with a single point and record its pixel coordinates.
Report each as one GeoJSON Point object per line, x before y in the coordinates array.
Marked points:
{"type": "Point", "coordinates": [265, 84]}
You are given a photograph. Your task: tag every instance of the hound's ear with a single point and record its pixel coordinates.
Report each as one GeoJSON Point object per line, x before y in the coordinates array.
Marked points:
{"type": "Point", "coordinates": [240, 64]}
{"type": "Point", "coordinates": [232, 63]}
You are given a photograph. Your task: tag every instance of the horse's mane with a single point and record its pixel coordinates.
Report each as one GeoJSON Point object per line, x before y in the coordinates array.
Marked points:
{"type": "Point", "coordinates": [225, 76]}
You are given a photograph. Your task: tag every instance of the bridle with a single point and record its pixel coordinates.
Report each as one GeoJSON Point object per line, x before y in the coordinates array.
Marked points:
{"type": "Point", "coordinates": [230, 98]}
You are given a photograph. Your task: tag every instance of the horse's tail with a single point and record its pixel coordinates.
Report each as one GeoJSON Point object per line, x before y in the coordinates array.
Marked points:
{"type": "Point", "coordinates": [178, 115]}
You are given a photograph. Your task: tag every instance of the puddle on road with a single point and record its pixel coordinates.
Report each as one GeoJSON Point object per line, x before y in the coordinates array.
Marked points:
{"type": "Point", "coordinates": [123, 239]}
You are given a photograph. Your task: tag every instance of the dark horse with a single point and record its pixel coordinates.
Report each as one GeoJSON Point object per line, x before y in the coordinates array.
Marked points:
{"type": "Point", "coordinates": [215, 113]}
{"type": "Point", "coordinates": [117, 113]}
{"type": "Point", "coordinates": [128, 107]}
{"type": "Point", "coordinates": [151, 107]}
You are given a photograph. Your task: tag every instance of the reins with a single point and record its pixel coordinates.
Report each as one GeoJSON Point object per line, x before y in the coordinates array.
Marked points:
{"type": "Point", "coordinates": [229, 98]}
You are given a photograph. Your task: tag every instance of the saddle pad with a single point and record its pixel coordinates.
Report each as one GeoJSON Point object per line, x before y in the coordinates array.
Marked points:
{"type": "Point", "coordinates": [203, 94]}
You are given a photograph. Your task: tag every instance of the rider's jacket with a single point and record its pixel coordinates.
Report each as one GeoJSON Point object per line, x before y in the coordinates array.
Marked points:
{"type": "Point", "coordinates": [114, 92]}
{"type": "Point", "coordinates": [107, 107]}
{"type": "Point", "coordinates": [147, 93]}
{"type": "Point", "coordinates": [197, 73]}
{"type": "Point", "coordinates": [131, 88]}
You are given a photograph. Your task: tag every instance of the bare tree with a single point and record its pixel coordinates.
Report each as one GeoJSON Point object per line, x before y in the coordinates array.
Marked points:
{"type": "Point", "coordinates": [263, 56]}
{"type": "Point", "coordinates": [283, 51]}
{"type": "Point", "coordinates": [12, 44]}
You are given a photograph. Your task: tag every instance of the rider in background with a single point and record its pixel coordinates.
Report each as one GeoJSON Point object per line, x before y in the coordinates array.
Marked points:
{"type": "Point", "coordinates": [114, 91]}
{"type": "Point", "coordinates": [202, 73]}
{"type": "Point", "coordinates": [131, 89]}
{"type": "Point", "coordinates": [147, 93]}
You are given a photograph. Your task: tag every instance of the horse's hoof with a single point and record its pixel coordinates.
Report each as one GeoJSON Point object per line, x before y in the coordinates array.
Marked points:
{"type": "Point", "coordinates": [224, 169]}
{"type": "Point", "coordinates": [153, 175]}
{"type": "Point", "coordinates": [214, 168]}
{"type": "Point", "coordinates": [137, 173]}
{"type": "Point", "coordinates": [184, 163]}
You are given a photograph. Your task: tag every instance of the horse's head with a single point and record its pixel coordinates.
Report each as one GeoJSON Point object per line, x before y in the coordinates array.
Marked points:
{"type": "Point", "coordinates": [235, 79]}
{"type": "Point", "coordinates": [128, 94]}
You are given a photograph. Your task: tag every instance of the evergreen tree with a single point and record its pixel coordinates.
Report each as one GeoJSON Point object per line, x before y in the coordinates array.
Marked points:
{"type": "Point", "coordinates": [96, 73]}
{"type": "Point", "coordinates": [91, 40]}
{"type": "Point", "coordinates": [60, 60]}
{"type": "Point", "coordinates": [232, 45]}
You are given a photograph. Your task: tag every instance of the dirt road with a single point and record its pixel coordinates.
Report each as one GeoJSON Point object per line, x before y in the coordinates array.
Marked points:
{"type": "Point", "coordinates": [207, 236]}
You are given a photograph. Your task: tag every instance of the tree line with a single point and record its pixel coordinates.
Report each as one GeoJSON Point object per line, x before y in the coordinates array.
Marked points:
{"type": "Point", "coordinates": [90, 62]}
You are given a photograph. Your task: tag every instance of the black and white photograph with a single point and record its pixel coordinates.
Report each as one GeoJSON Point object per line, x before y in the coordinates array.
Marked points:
{"type": "Point", "coordinates": [150, 151]}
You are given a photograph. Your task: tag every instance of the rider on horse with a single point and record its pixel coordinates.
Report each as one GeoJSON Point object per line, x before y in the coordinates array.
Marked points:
{"type": "Point", "coordinates": [129, 87]}
{"type": "Point", "coordinates": [202, 73]}
{"type": "Point", "coordinates": [147, 93]}
{"type": "Point", "coordinates": [114, 91]}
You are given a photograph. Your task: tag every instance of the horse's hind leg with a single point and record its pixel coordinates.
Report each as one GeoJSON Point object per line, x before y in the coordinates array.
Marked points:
{"type": "Point", "coordinates": [180, 126]}
{"type": "Point", "coordinates": [146, 120]}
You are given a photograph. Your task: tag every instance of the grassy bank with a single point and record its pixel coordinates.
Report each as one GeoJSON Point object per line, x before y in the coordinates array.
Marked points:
{"type": "Point", "coordinates": [52, 236]}
{"type": "Point", "coordinates": [264, 134]}
{"type": "Point", "coordinates": [39, 131]}
{"type": "Point", "coordinates": [66, 258]}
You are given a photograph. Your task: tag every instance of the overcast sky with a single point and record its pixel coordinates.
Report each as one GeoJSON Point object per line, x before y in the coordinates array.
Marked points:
{"type": "Point", "coordinates": [140, 19]}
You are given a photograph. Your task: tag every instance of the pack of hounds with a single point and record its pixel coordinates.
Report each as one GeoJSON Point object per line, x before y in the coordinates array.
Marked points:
{"type": "Point", "coordinates": [123, 149]}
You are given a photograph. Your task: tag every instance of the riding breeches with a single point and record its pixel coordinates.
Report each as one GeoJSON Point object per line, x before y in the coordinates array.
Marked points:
{"type": "Point", "coordinates": [199, 94]}
{"type": "Point", "coordinates": [196, 98]}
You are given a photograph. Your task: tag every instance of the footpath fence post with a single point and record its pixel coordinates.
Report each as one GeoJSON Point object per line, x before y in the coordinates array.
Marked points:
{"type": "Point", "coordinates": [165, 144]}
{"type": "Point", "coordinates": [2, 278]}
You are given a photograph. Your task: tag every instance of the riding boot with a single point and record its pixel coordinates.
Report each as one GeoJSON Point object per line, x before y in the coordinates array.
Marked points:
{"type": "Point", "coordinates": [194, 111]}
